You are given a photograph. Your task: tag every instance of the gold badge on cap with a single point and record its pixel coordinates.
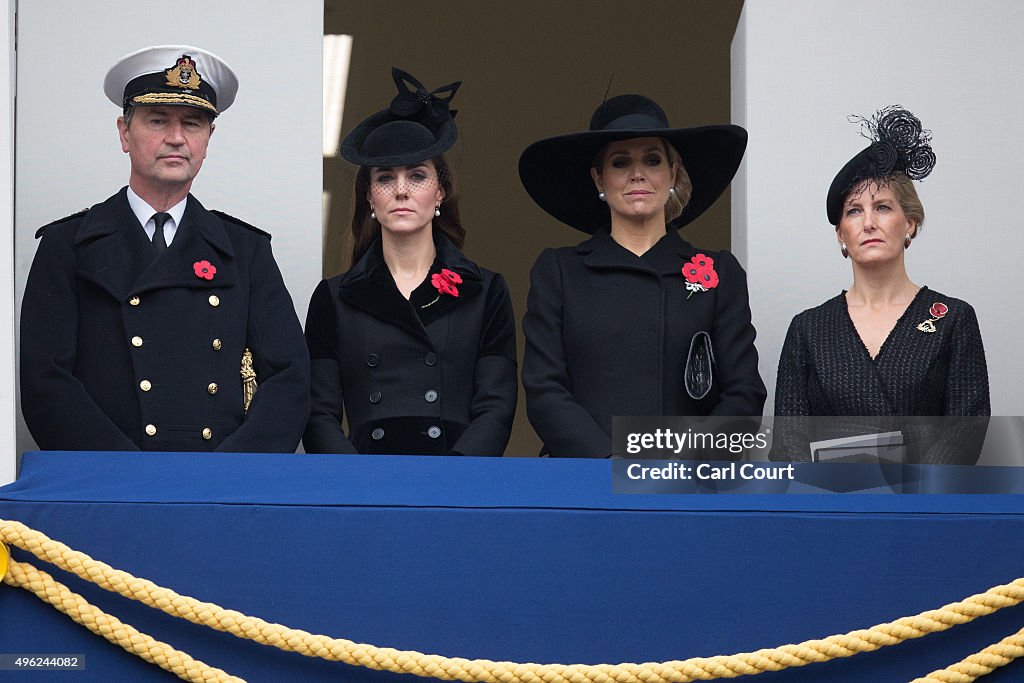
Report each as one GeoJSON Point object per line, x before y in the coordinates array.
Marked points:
{"type": "Point", "coordinates": [183, 74]}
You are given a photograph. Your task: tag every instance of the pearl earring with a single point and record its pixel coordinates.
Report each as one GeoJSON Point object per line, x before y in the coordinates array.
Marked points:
{"type": "Point", "coordinates": [600, 195]}
{"type": "Point", "coordinates": [437, 211]}
{"type": "Point", "coordinates": [672, 191]}
{"type": "Point", "coordinates": [373, 215]}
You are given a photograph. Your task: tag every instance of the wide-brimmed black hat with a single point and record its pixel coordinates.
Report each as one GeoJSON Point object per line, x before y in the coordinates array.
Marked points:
{"type": "Point", "coordinates": [900, 145]}
{"type": "Point", "coordinates": [416, 126]}
{"type": "Point", "coordinates": [556, 171]}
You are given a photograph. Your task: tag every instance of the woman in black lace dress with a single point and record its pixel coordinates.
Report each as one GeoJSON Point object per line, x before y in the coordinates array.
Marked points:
{"type": "Point", "coordinates": [887, 346]}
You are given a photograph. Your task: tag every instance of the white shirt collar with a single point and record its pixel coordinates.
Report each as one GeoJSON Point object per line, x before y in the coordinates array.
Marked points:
{"type": "Point", "coordinates": [144, 213]}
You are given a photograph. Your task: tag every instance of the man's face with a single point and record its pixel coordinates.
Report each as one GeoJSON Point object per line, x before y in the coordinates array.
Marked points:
{"type": "Point", "coordinates": [167, 146]}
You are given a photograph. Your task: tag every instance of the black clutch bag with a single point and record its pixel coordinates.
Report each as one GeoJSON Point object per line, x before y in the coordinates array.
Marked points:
{"type": "Point", "coordinates": [700, 363]}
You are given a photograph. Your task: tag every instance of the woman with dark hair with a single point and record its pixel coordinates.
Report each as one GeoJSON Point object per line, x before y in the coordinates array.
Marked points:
{"type": "Point", "coordinates": [635, 320]}
{"type": "Point", "coordinates": [887, 346]}
{"type": "Point", "coordinates": [415, 344]}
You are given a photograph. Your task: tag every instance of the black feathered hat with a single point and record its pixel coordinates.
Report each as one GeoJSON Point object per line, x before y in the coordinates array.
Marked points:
{"type": "Point", "coordinates": [900, 145]}
{"type": "Point", "coordinates": [416, 126]}
{"type": "Point", "coordinates": [556, 171]}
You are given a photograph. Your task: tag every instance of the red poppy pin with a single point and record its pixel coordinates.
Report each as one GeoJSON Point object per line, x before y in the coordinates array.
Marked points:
{"type": "Point", "coordinates": [444, 282]}
{"type": "Point", "coordinates": [204, 270]}
{"type": "Point", "coordinates": [700, 274]}
{"type": "Point", "coordinates": [937, 312]}
{"type": "Point", "coordinates": [451, 276]}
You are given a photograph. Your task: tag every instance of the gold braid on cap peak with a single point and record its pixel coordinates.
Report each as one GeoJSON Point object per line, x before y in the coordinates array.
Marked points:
{"type": "Point", "coordinates": [173, 98]}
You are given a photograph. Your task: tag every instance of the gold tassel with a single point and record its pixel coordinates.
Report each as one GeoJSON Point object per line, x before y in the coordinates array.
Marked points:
{"type": "Point", "coordinates": [249, 385]}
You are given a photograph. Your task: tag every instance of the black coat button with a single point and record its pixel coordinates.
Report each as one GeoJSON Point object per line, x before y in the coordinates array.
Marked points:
{"type": "Point", "coordinates": [434, 432]}
{"type": "Point", "coordinates": [430, 358]}
{"type": "Point", "coordinates": [430, 396]}
{"type": "Point", "coordinates": [372, 360]}
{"type": "Point", "coordinates": [375, 397]}
{"type": "Point", "coordinates": [377, 434]}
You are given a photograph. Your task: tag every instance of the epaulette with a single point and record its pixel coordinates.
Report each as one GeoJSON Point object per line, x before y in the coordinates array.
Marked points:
{"type": "Point", "coordinates": [239, 221]}
{"type": "Point", "coordinates": [40, 231]}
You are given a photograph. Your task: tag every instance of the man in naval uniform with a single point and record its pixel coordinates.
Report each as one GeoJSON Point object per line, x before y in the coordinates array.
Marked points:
{"type": "Point", "coordinates": [149, 322]}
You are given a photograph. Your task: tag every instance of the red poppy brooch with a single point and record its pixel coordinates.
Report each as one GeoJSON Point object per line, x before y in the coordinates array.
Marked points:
{"type": "Point", "coordinates": [204, 270]}
{"type": "Point", "coordinates": [937, 312]}
{"type": "Point", "coordinates": [444, 282]}
{"type": "Point", "coordinates": [700, 274]}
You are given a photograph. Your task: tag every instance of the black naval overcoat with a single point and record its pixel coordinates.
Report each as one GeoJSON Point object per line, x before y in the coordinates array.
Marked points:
{"type": "Point", "coordinates": [610, 333]}
{"type": "Point", "coordinates": [441, 381]}
{"type": "Point", "coordinates": [122, 349]}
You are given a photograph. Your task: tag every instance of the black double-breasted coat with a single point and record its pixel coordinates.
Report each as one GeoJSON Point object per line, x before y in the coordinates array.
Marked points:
{"type": "Point", "coordinates": [608, 333]}
{"type": "Point", "coordinates": [122, 349]}
{"type": "Point", "coordinates": [437, 380]}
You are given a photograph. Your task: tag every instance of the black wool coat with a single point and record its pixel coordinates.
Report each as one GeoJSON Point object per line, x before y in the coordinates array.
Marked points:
{"type": "Point", "coordinates": [438, 381]}
{"type": "Point", "coordinates": [122, 349]}
{"type": "Point", "coordinates": [608, 334]}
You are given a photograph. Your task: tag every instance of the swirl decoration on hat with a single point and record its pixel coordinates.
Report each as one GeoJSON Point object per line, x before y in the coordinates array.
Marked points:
{"type": "Point", "coordinates": [900, 144]}
{"type": "Point", "coordinates": [415, 101]}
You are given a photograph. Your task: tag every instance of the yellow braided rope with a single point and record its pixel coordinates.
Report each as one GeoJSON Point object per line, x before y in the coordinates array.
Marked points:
{"type": "Point", "coordinates": [47, 589]}
{"type": "Point", "coordinates": [486, 671]}
{"type": "Point", "coordinates": [981, 663]}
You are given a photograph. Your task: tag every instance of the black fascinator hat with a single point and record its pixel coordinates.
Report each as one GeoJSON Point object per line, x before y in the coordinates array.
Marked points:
{"type": "Point", "coordinates": [899, 145]}
{"type": "Point", "coordinates": [556, 171]}
{"type": "Point", "coordinates": [416, 126]}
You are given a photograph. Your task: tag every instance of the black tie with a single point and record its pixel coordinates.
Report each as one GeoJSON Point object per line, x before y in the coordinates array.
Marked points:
{"type": "Point", "coordinates": [158, 234]}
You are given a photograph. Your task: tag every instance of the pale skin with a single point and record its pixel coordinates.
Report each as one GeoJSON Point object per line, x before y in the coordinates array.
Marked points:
{"type": "Point", "coordinates": [635, 176]}
{"type": "Point", "coordinates": [404, 199]}
{"type": "Point", "coordinates": [167, 146]}
{"type": "Point", "coordinates": [874, 228]}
